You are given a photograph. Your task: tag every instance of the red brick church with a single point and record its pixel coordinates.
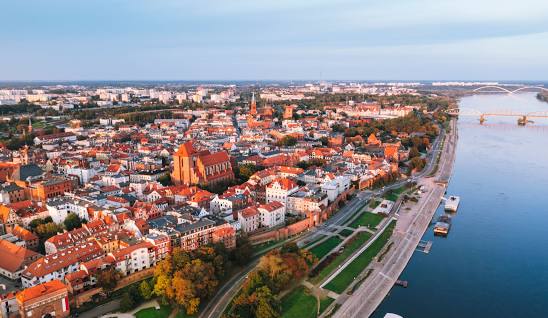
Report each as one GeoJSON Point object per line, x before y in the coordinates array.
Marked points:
{"type": "Point", "coordinates": [191, 166]}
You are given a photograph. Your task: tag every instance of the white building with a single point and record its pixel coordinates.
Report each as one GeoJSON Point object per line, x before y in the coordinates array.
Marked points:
{"type": "Point", "coordinates": [60, 207]}
{"type": "Point", "coordinates": [280, 189]}
{"type": "Point", "coordinates": [333, 188]}
{"type": "Point", "coordinates": [134, 258]}
{"type": "Point", "coordinates": [272, 214]}
{"type": "Point", "coordinates": [57, 265]}
{"type": "Point", "coordinates": [249, 219]}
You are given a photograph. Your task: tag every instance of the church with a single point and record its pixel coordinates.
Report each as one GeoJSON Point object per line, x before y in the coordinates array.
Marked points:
{"type": "Point", "coordinates": [192, 166]}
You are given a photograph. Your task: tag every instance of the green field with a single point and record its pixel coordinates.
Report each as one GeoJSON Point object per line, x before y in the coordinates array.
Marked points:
{"type": "Point", "coordinates": [314, 241]}
{"type": "Point", "coordinates": [349, 248]}
{"type": "Point", "coordinates": [324, 303]}
{"type": "Point", "coordinates": [151, 312]}
{"type": "Point", "coordinates": [263, 246]}
{"type": "Point", "coordinates": [299, 303]}
{"type": "Point", "coordinates": [347, 275]}
{"type": "Point", "coordinates": [393, 195]}
{"type": "Point", "coordinates": [325, 247]}
{"type": "Point", "coordinates": [346, 232]}
{"type": "Point", "coordinates": [367, 219]}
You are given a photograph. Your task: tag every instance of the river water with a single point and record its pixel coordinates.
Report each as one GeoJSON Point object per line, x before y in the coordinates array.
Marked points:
{"type": "Point", "coordinates": [494, 262]}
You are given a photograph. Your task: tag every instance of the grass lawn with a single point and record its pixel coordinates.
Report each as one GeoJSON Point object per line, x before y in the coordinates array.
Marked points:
{"type": "Point", "coordinates": [324, 303]}
{"type": "Point", "coordinates": [347, 275]}
{"type": "Point", "coordinates": [346, 232]}
{"type": "Point", "coordinates": [299, 304]}
{"type": "Point", "coordinates": [325, 247]}
{"type": "Point", "coordinates": [151, 312]}
{"type": "Point", "coordinates": [263, 246]}
{"type": "Point", "coordinates": [349, 248]}
{"type": "Point", "coordinates": [393, 195]}
{"type": "Point", "coordinates": [314, 241]}
{"type": "Point", "coordinates": [367, 219]}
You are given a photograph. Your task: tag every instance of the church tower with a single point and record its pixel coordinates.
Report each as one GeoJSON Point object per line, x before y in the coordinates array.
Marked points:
{"type": "Point", "coordinates": [253, 105]}
{"type": "Point", "coordinates": [30, 126]}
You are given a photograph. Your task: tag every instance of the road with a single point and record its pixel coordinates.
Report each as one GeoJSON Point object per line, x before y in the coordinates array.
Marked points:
{"type": "Point", "coordinates": [220, 301]}
{"type": "Point", "coordinates": [408, 232]}
{"type": "Point", "coordinates": [217, 304]}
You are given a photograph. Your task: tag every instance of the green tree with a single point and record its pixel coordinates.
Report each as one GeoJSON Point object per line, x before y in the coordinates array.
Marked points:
{"type": "Point", "coordinates": [72, 221]}
{"type": "Point", "coordinates": [417, 164]}
{"type": "Point", "coordinates": [108, 279]}
{"type": "Point", "coordinates": [127, 302]}
{"type": "Point", "coordinates": [266, 306]}
{"type": "Point", "coordinates": [47, 230]}
{"type": "Point", "coordinates": [243, 251]}
{"type": "Point", "coordinates": [145, 290]}
{"type": "Point", "coordinates": [165, 180]}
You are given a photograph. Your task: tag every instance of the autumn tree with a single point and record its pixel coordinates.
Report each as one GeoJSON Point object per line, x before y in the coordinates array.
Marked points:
{"type": "Point", "coordinates": [278, 270]}
{"type": "Point", "coordinates": [186, 278]}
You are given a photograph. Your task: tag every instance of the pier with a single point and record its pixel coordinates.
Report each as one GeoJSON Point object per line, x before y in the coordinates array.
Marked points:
{"type": "Point", "coordinates": [424, 246]}
{"type": "Point", "coordinates": [402, 283]}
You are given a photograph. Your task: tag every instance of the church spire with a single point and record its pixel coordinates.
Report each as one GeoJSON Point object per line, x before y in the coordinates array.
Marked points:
{"type": "Point", "coordinates": [30, 126]}
{"type": "Point", "coordinates": [253, 106]}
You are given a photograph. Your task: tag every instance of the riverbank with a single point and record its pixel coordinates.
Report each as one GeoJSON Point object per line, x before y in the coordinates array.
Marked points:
{"type": "Point", "coordinates": [491, 264]}
{"type": "Point", "coordinates": [414, 218]}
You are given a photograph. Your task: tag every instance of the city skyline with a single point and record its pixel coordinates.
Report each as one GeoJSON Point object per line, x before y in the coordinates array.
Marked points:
{"type": "Point", "coordinates": [243, 40]}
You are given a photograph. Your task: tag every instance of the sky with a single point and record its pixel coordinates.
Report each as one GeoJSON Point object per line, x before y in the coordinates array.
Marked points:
{"type": "Point", "coordinates": [274, 40]}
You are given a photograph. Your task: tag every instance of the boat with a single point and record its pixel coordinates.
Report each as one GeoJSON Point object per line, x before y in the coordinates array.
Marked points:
{"type": "Point", "coordinates": [391, 315]}
{"type": "Point", "coordinates": [443, 225]}
{"type": "Point", "coordinates": [452, 203]}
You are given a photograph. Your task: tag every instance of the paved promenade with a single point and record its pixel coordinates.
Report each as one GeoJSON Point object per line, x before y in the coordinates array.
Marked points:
{"type": "Point", "coordinates": [410, 227]}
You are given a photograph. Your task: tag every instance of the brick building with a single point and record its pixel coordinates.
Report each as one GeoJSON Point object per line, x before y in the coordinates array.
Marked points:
{"type": "Point", "coordinates": [191, 167]}
{"type": "Point", "coordinates": [45, 300]}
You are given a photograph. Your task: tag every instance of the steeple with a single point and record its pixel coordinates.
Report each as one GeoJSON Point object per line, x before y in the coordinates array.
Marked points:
{"type": "Point", "coordinates": [253, 106]}
{"type": "Point", "coordinates": [30, 126]}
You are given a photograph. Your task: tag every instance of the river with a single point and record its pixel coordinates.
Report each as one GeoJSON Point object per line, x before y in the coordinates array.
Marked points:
{"type": "Point", "coordinates": [494, 262]}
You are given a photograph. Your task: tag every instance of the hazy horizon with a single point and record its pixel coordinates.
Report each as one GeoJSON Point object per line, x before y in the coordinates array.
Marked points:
{"type": "Point", "coordinates": [244, 40]}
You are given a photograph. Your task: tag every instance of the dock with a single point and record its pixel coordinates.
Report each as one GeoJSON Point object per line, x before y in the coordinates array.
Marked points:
{"type": "Point", "coordinates": [424, 246]}
{"type": "Point", "coordinates": [402, 283]}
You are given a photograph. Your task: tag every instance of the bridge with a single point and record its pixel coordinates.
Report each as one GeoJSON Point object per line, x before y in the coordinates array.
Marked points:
{"type": "Point", "coordinates": [523, 118]}
{"type": "Point", "coordinates": [501, 89]}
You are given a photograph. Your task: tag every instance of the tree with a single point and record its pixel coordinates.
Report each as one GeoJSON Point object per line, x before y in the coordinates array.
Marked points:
{"type": "Point", "coordinates": [72, 221]}
{"type": "Point", "coordinates": [414, 152]}
{"type": "Point", "coordinates": [145, 290]}
{"type": "Point", "coordinates": [47, 230]}
{"type": "Point", "coordinates": [108, 279]}
{"type": "Point", "coordinates": [165, 180]}
{"type": "Point", "coordinates": [287, 141]}
{"type": "Point", "coordinates": [184, 294]}
{"type": "Point", "coordinates": [266, 305]}
{"type": "Point", "coordinates": [243, 172]}
{"type": "Point", "coordinates": [417, 164]}
{"type": "Point", "coordinates": [127, 302]}
{"type": "Point", "coordinates": [243, 251]}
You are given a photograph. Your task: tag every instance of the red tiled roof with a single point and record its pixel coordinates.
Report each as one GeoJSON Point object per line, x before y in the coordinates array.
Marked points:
{"type": "Point", "coordinates": [40, 290]}
{"type": "Point", "coordinates": [214, 158]}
